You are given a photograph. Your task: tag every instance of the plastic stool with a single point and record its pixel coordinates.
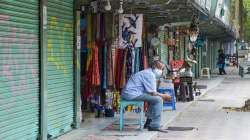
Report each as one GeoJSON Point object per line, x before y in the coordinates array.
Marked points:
{"type": "Point", "coordinates": [173, 100]}
{"type": "Point", "coordinates": [205, 72]}
{"type": "Point", "coordinates": [124, 104]}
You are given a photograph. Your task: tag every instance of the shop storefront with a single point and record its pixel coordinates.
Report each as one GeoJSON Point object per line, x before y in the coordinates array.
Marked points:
{"type": "Point", "coordinates": [62, 59]}
{"type": "Point", "coordinates": [115, 46]}
{"type": "Point", "coordinates": [112, 49]}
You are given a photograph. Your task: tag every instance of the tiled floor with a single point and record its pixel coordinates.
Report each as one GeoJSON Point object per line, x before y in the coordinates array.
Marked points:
{"type": "Point", "coordinates": [93, 128]}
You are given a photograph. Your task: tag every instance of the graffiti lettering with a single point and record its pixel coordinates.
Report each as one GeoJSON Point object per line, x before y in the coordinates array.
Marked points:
{"type": "Point", "coordinates": [12, 69]}
{"type": "Point", "coordinates": [3, 18]}
{"type": "Point", "coordinates": [57, 58]}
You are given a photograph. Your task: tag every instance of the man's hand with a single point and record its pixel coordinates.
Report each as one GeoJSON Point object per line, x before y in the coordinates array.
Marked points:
{"type": "Point", "coordinates": [166, 97]}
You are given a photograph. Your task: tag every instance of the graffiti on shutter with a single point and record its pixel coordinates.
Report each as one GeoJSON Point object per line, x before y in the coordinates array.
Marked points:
{"type": "Point", "coordinates": [10, 64]}
{"type": "Point", "coordinates": [56, 59]}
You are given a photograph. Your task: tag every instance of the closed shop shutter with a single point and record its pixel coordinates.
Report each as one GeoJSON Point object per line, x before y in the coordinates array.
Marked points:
{"type": "Point", "coordinates": [60, 66]}
{"type": "Point", "coordinates": [19, 69]}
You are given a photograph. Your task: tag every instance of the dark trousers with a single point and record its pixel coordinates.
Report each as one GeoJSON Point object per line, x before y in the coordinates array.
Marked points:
{"type": "Point", "coordinates": [222, 69]}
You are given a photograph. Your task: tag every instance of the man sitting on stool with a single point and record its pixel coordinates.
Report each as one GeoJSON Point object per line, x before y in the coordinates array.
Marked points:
{"type": "Point", "coordinates": [142, 86]}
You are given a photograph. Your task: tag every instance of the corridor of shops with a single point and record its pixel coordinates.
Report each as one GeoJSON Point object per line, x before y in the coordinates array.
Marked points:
{"type": "Point", "coordinates": [65, 63]}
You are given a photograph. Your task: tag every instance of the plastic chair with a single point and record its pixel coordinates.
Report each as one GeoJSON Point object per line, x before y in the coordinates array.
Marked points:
{"type": "Point", "coordinates": [205, 72]}
{"type": "Point", "coordinates": [124, 104]}
{"type": "Point", "coordinates": [172, 103]}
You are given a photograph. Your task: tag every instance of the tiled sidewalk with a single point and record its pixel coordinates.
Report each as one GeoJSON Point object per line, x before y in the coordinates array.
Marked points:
{"type": "Point", "coordinates": [96, 129]}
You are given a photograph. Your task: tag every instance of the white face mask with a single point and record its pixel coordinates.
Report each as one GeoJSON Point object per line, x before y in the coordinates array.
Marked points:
{"type": "Point", "coordinates": [157, 72]}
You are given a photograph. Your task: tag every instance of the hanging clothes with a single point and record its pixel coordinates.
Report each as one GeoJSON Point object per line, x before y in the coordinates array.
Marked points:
{"type": "Point", "coordinates": [116, 56]}
{"type": "Point", "coordinates": [118, 67]}
{"type": "Point", "coordinates": [121, 68]}
{"type": "Point", "coordinates": [137, 60]}
{"type": "Point", "coordinates": [141, 57]}
{"type": "Point", "coordinates": [133, 61]}
{"type": "Point", "coordinates": [110, 67]}
{"type": "Point", "coordinates": [90, 42]}
{"type": "Point", "coordinates": [87, 92]}
{"type": "Point", "coordinates": [104, 48]}
{"type": "Point", "coordinates": [129, 62]}
{"type": "Point", "coordinates": [95, 71]}
{"type": "Point", "coordinates": [102, 27]}
{"type": "Point", "coordinates": [124, 69]}
{"type": "Point", "coordinates": [97, 26]}
{"type": "Point", "coordinates": [144, 57]}
{"type": "Point", "coordinates": [84, 58]}
{"type": "Point", "coordinates": [104, 66]}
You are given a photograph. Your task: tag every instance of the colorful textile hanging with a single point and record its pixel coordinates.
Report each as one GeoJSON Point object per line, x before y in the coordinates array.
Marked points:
{"type": "Point", "coordinates": [84, 49]}
{"type": "Point", "coordinates": [90, 42]}
{"type": "Point", "coordinates": [102, 27]}
{"type": "Point", "coordinates": [145, 58]}
{"type": "Point", "coordinates": [104, 66]}
{"type": "Point", "coordinates": [103, 46]}
{"type": "Point", "coordinates": [87, 92]}
{"type": "Point", "coordinates": [124, 69]}
{"type": "Point", "coordinates": [137, 60]}
{"type": "Point", "coordinates": [119, 59]}
{"type": "Point", "coordinates": [130, 30]}
{"type": "Point", "coordinates": [110, 67]}
{"type": "Point", "coordinates": [129, 62]}
{"type": "Point", "coordinates": [95, 65]}
{"type": "Point", "coordinates": [84, 58]}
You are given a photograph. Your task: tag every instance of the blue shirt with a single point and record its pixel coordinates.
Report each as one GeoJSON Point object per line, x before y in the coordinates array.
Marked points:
{"type": "Point", "coordinates": [143, 82]}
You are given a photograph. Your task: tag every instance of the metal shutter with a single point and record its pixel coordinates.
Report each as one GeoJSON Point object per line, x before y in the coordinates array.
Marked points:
{"type": "Point", "coordinates": [19, 69]}
{"type": "Point", "coordinates": [60, 66]}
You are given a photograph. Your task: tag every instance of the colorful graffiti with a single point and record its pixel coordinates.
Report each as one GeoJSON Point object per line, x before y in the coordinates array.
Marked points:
{"type": "Point", "coordinates": [18, 60]}
{"type": "Point", "coordinates": [54, 56]}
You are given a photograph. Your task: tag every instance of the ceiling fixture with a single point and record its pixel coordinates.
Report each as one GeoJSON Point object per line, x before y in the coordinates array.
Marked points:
{"type": "Point", "coordinates": [120, 10]}
{"type": "Point", "coordinates": [108, 6]}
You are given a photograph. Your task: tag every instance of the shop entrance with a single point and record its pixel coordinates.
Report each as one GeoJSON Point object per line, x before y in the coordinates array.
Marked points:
{"type": "Point", "coordinates": [106, 65]}
{"type": "Point", "coordinates": [97, 77]}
